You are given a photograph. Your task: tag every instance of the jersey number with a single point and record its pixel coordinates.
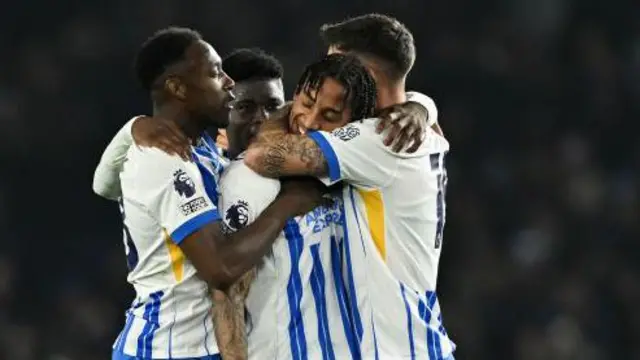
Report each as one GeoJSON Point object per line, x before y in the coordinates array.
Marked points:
{"type": "Point", "coordinates": [129, 246]}
{"type": "Point", "coordinates": [440, 204]}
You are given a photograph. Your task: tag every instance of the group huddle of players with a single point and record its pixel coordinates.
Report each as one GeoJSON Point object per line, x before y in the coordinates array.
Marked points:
{"type": "Point", "coordinates": [309, 230]}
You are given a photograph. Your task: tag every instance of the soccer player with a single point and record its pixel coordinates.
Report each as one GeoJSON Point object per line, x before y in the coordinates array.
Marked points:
{"type": "Point", "coordinates": [297, 303]}
{"type": "Point", "coordinates": [176, 250]}
{"type": "Point", "coordinates": [394, 203]}
{"type": "Point", "coordinates": [160, 133]}
{"type": "Point", "coordinates": [259, 92]}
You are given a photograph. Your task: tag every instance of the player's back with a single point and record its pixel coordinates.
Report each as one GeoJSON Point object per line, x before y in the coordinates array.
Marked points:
{"type": "Point", "coordinates": [296, 305]}
{"type": "Point", "coordinates": [401, 250]}
{"type": "Point", "coordinates": [394, 206]}
{"type": "Point", "coordinates": [170, 317]}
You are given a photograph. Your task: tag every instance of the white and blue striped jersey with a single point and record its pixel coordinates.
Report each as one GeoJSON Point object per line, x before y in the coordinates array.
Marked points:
{"type": "Point", "coordinates": [394, 217]}
{"type": "Point", "coordinates": [165, 199]}
{"type": "Point", "coordinates": [297, 305]}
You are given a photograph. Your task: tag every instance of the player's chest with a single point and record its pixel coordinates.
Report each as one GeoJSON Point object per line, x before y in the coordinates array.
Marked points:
{"type": "Point", "coordinates": [322, 222]}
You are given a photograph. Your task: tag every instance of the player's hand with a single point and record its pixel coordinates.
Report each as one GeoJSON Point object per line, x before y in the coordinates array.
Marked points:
{"type": "Point", "coordinates": [162, 134]}
{"type": "Point", "coordinates": [303, 194]}
{"type": "Point", "coordinates": [407, 124]}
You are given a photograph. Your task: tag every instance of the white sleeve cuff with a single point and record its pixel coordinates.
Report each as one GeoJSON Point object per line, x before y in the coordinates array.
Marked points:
{"type": "Point", "coordinates": [428, 104]}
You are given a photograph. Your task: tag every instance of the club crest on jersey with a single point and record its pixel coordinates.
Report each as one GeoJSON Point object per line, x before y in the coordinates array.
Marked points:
{"type": "Point", "coordinates": [237, 215]}
{"type": "Point", "coordinates": [346, 133]}
{"type": "Point", "coordinates": [183, 184]}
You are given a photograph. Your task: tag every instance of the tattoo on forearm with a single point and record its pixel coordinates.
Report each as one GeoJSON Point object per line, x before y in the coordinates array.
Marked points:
{"type": "Point", "coordinates": [280, 147]}
{"type": "Point", "coordinates": [228, 318]}
{"type": "Point", "coordinates": [274, 159]}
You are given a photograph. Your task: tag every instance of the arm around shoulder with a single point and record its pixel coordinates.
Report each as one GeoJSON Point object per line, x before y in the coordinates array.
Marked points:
{"type": "Point", "coordinates": [106, 181]}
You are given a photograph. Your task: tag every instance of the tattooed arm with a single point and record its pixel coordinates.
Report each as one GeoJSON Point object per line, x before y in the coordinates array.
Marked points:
{"type": "Point", "coordinates": [228, 318]}
{"type": "Point", "coordinates": [277, 153]}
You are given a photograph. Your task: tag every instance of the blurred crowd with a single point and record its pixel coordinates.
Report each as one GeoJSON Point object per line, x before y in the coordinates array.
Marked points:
{"type": "Point", "coordinates": [541, 256]}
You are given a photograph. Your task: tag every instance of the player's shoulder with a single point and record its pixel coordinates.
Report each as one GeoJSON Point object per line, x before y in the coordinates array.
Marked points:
{"type": "Point", "coordinates": [425, 101]}
{"type": "Point", "coordinates": [238, 174]}
{"type": "Point", "coordinates": [365, 128]}
{"type": "Point", "coordinates": [150, 163]}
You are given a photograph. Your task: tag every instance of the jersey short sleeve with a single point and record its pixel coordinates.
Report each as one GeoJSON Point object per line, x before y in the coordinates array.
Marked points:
{"type": "Point", "coordinates": [173, 191]}
{"type": "Point", "coordinates": [244, 194]}
{"type": "Point", "coordinates": [106, 180]}
{"type": "Point", "coordinates": [356, 153]}
{"type": "Point", "coordinates": [427, 103]}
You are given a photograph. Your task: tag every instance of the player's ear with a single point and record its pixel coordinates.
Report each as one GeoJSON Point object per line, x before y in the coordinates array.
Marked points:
{"type": "Point", "coordinates": [175, 87]}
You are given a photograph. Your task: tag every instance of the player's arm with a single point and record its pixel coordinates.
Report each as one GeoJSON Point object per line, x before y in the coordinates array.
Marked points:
{"type": "Point", "coordinates": [106, 180]}
{"type": "Point", "coordinates": [143, 131]}
{"type": "Point", "coordinates": [243, 196]}
{"type": "Point", "coordinates": [278, 153]}
{"type": "Point", "coordinates": [172, 189]}
{"type": "Point", "coordinates": [353, 153]}
{"type": "Point", "coordinates": [229, 325]}
{"type": "Point", "coordinates": [221, 259]}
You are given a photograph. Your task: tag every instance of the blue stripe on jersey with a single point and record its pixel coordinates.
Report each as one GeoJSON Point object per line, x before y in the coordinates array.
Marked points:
{"type": "Point", "coordinates": [151, 316]}
{"type": "Point", "coordinates": [355, 212]}
{"type": "Point", "coordinates": [319, 297]}
{"type": "Point", "coordinates": [125, 332]}
{"type": "Point", "coordinates": [433, 339]}
{"type": "Point", "coordinates": [210, 184]}
{"type": "Point", "coordinates": [441, 328]}
{"type": "Point", "coordinates": [336, 266]}
{"type": "Point", "coordinates": [297, 338]}
{"type": "Point", "coordinates": [329, 154]}
{"type": "Point", "coordinates": [409, 321]}
{"type": "Point", "coordinates": [210, 143]}
{"type": "Point", "coordinates": [117, 355]}
{"type": "Point", "coordinates": [194, 224]}
{"type": "Point", "coordinates": [354, 311]}
{"type": "Point", "coordinates": [202, 151]}
{"type": "Point", "coordinates": [207, 148]}
{"type": "Point", "coordinates": [425, 315]}
{"type": "Point", "coordinates": [375, 339]}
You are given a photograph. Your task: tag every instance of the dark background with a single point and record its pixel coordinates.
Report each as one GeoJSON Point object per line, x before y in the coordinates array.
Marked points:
{"type": "Point", "coordinates": [537, 97]}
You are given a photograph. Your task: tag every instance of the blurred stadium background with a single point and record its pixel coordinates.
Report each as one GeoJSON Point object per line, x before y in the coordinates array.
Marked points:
{"type": "Point", "coordinates": [542, 244]}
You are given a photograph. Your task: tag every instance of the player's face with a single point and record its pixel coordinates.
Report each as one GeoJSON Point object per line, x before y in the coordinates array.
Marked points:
{"type": "Point", "coordinates": [323, 109]}
{"type": "Point", "coordinates": [208, 87]}
{"type": "Point", "coordinates": [255, 101]}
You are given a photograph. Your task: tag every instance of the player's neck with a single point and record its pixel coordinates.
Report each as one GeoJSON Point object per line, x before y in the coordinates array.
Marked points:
{"type": "Point", "coordinates": [191, 127]}
{"type": "Point", "coordinates": [389, 95]}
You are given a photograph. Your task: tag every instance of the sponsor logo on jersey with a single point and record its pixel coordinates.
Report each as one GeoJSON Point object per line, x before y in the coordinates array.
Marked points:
{"type": "Point", "coordinates": [193, 206]}
{"type": "Point", "coordinates": [346, 133]}
{"type": "Point", "coordinates": [183, 184]}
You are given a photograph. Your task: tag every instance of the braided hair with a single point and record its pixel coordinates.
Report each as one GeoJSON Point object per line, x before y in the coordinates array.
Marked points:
{"type": "Point", "coordinates": [361, 92]}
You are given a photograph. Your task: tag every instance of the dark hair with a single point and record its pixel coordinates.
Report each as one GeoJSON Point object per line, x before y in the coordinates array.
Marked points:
{"type": "Point", "coordinates": [360, 87]}
{"type": "Point", "coordinates": [251, 63]}
{"type": "Point", "coordinates": [380, 36]}
{"type": "Point", "coordinates": [165, 48]}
